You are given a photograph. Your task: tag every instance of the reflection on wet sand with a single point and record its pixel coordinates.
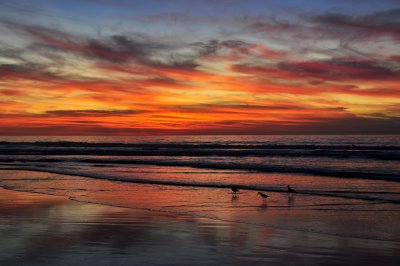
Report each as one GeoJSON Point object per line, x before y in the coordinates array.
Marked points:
{"type": "Point", "coordinates": [235, 197]}
{"type": "Point", "coordinates": [185, 226]}
{"type": "Point", "coordinates": [291, 200]}
{"type": "Point", "coordinates": [264, 205]}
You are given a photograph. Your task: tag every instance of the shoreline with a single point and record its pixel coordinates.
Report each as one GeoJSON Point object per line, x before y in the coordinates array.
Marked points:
{"type": "Point", "coordinates": [202, 185]}
{"type": "Point", "coordinates": [88, 232]}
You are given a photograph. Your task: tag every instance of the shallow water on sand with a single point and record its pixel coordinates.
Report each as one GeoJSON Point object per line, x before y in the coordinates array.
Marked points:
{"type": "Point", "coordinates": [153, 224]}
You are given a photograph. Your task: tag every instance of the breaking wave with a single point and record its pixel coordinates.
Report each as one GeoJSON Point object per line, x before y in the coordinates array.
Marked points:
{"type": "Point", "coordinates": [377, 152]}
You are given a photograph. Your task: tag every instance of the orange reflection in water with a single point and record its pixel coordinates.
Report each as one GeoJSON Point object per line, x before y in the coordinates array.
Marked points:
{"type": "Point", "coordinates": [210, 217]}
{"type": "Point", "coordinates": [12, 201]}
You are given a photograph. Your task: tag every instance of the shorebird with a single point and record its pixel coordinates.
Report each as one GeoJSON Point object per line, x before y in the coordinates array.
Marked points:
{"type": "Point", "coordinates": [290, 190]}
{"type": "Point", "coordinates": [235, 189]}
{"type": "Point", "coordinates": [264, 196]}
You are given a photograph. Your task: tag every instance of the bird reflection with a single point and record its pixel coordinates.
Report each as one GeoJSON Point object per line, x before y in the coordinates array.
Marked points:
{"type": "Point", "coordinates": [290, 200]}
{"type": "Point", "coordinates": [234, 197]}
{"type": "Point", "coordinates": [264, 205]}
{"type": "Point", "coordinates": [264, 197]}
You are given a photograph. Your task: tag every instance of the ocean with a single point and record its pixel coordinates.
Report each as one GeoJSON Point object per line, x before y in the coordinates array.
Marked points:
{"type": "Point", "coordinates": [359, 167]}
{"type": "Point", "coordinates": [167, 200]}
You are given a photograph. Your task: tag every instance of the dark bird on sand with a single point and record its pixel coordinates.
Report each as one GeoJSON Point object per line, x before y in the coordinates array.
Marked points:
{"type": "Point", "coordinates": [235, 189]}
{"type": "Point", "coordinates": [290, 190]}
{"type": "Point", "coordinates": [264, 196]}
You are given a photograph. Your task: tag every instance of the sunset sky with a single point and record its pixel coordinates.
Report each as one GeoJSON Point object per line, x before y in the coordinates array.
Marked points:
{"type": "Point", "coordinates": [199, 67]}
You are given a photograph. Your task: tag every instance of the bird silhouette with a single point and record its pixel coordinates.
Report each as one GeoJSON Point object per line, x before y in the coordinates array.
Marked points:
{"type": "Point", "coordinates": [264, 196]}
{"type": "Point", "coordinates": [290, 190]}
{"type": "Point", "coordinates": [235, 189]}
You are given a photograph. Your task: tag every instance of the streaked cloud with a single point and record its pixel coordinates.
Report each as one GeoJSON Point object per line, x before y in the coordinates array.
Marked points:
{"type": "Point", "coordinates": [234, 73]}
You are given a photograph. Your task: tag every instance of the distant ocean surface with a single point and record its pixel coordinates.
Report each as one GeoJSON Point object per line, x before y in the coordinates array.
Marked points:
{"type": "Point", "coordinates": [360, 167]}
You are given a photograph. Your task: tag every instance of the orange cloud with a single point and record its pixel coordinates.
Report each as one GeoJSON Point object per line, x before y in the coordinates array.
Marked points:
{"type": "Point", "coordinates": [64, 83]}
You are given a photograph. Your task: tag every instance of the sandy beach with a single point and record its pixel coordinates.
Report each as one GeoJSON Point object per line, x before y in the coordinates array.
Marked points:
{"type": "Point", "coordinates": [71, 220]}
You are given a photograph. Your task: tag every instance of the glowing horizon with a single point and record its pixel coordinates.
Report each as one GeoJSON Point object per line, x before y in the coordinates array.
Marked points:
{"type": "Point", "coordinates": [204, 67]}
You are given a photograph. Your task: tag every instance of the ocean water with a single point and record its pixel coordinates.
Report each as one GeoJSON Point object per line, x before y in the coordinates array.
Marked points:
{"type": "Point", "coordinates": [178, 190]}
{"type": "Point", "coordinates": [357, 167]}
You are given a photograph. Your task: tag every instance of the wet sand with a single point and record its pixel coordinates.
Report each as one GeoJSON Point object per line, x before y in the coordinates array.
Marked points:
{"type": "Point", "coordinates": [98, 222]}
